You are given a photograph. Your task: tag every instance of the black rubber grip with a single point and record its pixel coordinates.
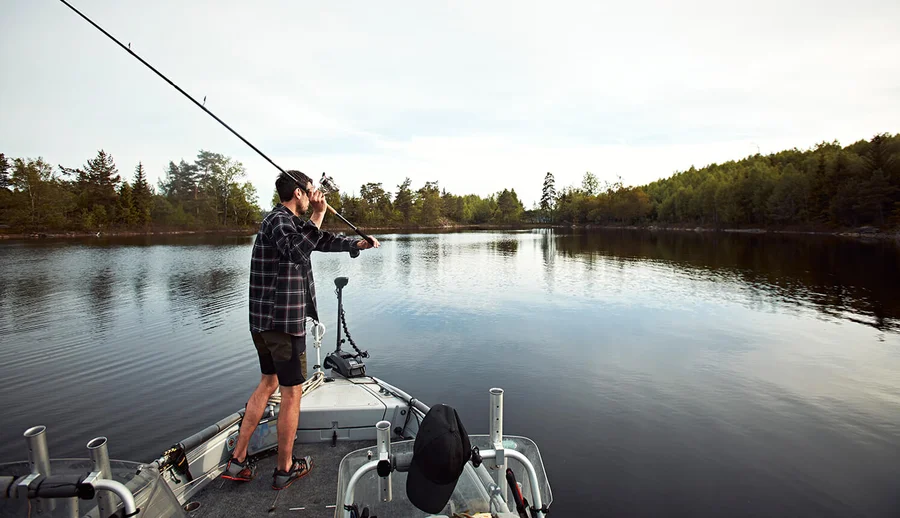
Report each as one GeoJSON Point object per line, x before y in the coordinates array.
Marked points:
{"type": "Point", "coordinates": [5, 484]}
{"type": "Point", "coordinates": [59, 486]}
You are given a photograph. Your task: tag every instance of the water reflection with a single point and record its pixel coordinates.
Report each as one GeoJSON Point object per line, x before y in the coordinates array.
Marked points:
{"type": "Point", "coordinates": [504, 247]}
{"type": "Point", "coordinates": [28, 298]}
{"type": "Point", "coordinates": [140, 283]}
{"type": "Point", "coordinates": [841, 278]}
{"type": "Point", "coordinates": [690, 363]}
{"type": "Point", "coordinates": [100, 296]}
{"type": "Point", "coordinates": [548, 254]}
{"type": "Point", "coordinates": [207, 292]}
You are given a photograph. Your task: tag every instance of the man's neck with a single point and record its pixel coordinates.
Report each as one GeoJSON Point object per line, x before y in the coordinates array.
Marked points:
{"type": "Point", "coordinates": [293, 207]}
{"type": "Point", "coordinates": [315, 218]}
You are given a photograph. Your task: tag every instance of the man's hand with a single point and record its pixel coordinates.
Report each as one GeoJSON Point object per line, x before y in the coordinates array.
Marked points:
{"type": "Point", "coordinates": [362, 244]}
{"type": "Point", "coordinates": [319, 206]}
{"type": "Point", "coordinates": [317, 202]}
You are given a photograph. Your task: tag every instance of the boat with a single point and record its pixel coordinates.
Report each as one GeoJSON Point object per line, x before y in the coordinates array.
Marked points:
{"type": "Point", "coordinates": [360, 431]}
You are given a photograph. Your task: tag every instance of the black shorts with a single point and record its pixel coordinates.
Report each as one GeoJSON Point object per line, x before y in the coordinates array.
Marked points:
{"type": "Point", "coordinates": [281, 354]}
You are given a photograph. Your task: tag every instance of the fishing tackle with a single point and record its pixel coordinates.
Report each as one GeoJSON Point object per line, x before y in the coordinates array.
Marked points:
{"type": "Point", "coordinates": [327, 185]}
{"type": "Point", "coordinates": [202, 106]}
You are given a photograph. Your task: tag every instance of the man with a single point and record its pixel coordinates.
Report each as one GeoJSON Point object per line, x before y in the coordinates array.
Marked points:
{"type": "Point", "coordinates": [282, 295]}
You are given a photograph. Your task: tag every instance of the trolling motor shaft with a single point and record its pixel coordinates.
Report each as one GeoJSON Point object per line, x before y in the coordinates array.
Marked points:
{"type": "Point", "coordinates": [346, 364]}
{"type": "Point", "coordinates": [340, 282]}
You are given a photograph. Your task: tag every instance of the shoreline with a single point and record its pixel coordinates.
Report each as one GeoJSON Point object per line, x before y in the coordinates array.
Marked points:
{"type": "Point", "coordinates": [861, 232]}
{"type": "Point", "coordinates": [120, 233]}
{"type": "Point", "coordinates": [253, 230]}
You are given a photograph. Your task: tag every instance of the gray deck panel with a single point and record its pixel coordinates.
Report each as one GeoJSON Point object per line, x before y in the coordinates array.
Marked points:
{"type": "Point", "coordinates": [232, 499]}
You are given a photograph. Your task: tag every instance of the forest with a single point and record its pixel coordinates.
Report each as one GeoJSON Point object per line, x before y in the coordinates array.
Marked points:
{"type": "Point", "coordinates": [206, 193]}
{"type": "Point", "coordinates": [825, 187]}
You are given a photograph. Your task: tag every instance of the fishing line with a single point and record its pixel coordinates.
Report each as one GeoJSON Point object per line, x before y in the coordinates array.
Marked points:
{"type": "Point", "coordinates": [211, 114]}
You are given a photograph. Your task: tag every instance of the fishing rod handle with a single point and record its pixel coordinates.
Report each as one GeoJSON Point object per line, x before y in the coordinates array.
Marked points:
{"type": "Point", "coordinates": [351, 225]}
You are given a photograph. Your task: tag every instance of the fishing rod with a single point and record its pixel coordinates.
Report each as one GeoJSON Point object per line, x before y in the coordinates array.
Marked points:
{"type": "Point", "coordinates": [330, 183]}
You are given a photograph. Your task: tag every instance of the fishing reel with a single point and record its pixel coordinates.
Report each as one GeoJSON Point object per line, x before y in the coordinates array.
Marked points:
{"type": "Point", "coordinates": [327, 185]}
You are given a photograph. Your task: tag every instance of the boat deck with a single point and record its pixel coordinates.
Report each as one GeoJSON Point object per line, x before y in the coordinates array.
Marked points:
{"type": "Point", "coordinates": [310, 497]}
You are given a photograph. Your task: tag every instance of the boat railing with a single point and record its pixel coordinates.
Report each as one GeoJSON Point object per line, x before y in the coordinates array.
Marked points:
{"type": "Point", "coordinates": [92, 487]}
{"type": "Point", "coordinates": [481, 487]}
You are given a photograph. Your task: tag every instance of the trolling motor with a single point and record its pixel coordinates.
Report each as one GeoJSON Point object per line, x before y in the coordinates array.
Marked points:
{"type": "Point", "coordinates": [346, 364]}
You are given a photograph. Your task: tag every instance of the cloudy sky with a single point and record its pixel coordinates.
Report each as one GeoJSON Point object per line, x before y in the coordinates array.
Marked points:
{"type": "Point", "coordinates": [476, 95]}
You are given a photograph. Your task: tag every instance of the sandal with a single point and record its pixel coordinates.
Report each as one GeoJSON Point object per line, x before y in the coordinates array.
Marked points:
{"type": "Point", "coordinates": [240, 471]}
{"type": "Point", "coordinates": [300, 468]}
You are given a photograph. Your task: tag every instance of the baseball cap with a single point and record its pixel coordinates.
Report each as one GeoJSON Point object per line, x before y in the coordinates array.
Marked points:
{"type": "Point", "coordinates": [440, 453]}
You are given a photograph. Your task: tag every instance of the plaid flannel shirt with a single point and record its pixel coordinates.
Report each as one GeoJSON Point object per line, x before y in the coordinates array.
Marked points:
{"type": "Point", "coordinates": [282, 290]}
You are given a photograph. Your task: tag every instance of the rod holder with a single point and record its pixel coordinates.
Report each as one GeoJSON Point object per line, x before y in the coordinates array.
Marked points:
{"type": "Point", "coordinates": [318, 333]}
{"type": "Point", "coordinates": [383, 434]}
{"type": "Point", "coordinates": [38, 454]}
{"type": "Point", "coordinates": [39, 460]}
{"type": "Point", "coordinates": [496, 432]}
{"type": "Point", "coordinates": [100, 457]}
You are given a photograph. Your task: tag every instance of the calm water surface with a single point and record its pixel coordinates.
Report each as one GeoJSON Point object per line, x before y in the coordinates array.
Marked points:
{"type": "Point", "coordinates": [661, 374]}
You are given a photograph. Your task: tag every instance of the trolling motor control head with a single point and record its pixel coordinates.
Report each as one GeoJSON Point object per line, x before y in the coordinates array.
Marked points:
{"type": "Point", "coordinates": [340, 282]}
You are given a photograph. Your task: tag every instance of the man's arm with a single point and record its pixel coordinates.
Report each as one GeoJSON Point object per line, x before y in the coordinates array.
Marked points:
{"type": "Point", "coordinates": [295, 243]}
{"type": "Point", "coordinates": [331, 242]}
{"type": "Point", "coordinates": [317, 218]}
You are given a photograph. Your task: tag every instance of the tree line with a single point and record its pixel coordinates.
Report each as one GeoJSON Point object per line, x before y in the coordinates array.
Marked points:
{"type": "Point", "coordinates": [208, 193]}
{"type": "Point", "coordinates": [825, 186]}
{"type": "Point", "coordinates": [205, 193]}
{"type": "Point", "coordinates": [428, 206]}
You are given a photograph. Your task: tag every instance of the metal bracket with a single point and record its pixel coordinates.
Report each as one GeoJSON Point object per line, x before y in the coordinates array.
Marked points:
{"type": "Point", "coordinates": [91, 478]}
{"type": "Point", "coordinates": [22, 486]}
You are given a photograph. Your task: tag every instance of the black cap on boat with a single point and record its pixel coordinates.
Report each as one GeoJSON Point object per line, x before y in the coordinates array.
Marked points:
{"type": "Point", "coordinates": [440, 453]}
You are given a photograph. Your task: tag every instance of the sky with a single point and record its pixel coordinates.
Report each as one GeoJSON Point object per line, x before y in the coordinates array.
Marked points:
{"type": "Point", "coordinates": [478, 96]}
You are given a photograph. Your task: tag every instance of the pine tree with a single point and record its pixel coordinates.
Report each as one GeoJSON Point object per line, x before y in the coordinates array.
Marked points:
{"type": "Point", "coordinates": [377, 203]}
{"type": "Point", "coordinates": [4, 172]}
{"type": "Point", "coordinates": [180, 183]}
{"type": "Point", "coordinates": [103, 178]}
{"type": "Point", "coordinates": [509, 208]}
{"type": "Point", "coordinates": [880, 156]}
{"type": "Point", "coordinates": [142, 196]}
{"type": "Point", "coordinates": [590, 184]}
{"type": "Point", "coordinates": [874, 196]}
{"type": "Point", "coordinates": [403, 202]}
{"type": "Point", "coordinates": [548, 196]}
{"type": "Point", "coordinates": [428, 204]}
{"type": "Point", "coordinates": [215, 176]}
{"type": "Point", "coordinates": [126, 211]}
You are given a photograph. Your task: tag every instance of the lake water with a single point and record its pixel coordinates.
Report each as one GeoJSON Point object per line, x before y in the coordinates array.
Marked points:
{"type": "Point", "coordinates": [678, 374]}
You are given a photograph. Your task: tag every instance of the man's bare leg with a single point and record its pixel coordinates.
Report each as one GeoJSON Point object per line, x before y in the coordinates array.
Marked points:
{"type": "Point", "coordinates": [255, 408]}
{"type": "Point", "coordinates": [288, 417]}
